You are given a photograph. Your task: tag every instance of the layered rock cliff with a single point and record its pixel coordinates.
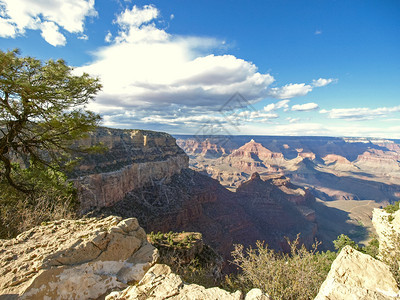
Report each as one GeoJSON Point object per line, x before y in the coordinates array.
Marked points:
{"type": "Point", "coordinates": [132, 159]}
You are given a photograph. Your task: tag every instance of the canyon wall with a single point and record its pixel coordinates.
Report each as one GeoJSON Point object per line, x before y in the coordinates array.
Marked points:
{"type": "Point", "coordinates": [131, 159]}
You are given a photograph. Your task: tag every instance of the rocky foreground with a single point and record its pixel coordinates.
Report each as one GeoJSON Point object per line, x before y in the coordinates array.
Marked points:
{"type": "Point", "coordinates": [93, 259]}
{"type": "Point", "coordinates": [111, 259]}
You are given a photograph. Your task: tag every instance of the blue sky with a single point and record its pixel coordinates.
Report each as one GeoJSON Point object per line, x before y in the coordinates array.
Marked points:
{"type": "Point", "coordinates": [303, 67]}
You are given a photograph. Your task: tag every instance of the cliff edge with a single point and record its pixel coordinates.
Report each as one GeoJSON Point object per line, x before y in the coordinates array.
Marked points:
{"type": "Point", "coordinates": [133, 159]}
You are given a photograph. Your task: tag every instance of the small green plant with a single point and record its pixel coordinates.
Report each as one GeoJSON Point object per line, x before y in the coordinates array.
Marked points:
{"type": "Point", "coordinates": [391, 208]}
{"type": "Point", "coordinates": [372, 248]}
{"type": "Point", "coordinates": [342, 241]}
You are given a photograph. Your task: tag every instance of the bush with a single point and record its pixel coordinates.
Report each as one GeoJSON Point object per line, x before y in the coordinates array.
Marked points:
{"type": "Point", "coordinates": [53, 198]}
{"type": "Point", "coordinates": [371, 249]}
{"type": "Point", "coordinates": [391, 208]}
{"type": "Point", "coordinates": [294, 275]}
{"type": "Point", "coordinates": [342, 241]}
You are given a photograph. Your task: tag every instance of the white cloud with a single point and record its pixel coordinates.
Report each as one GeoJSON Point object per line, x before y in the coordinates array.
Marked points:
{"type": "Point", "coordinates": [275, 106]}
{"type": "Point", "coordinates": [323, 82]}
{"type": "Point", "coordinates": [83, 37]}
{"type": "Point", "coordinates": [305, 107]}
{"type": "Point", "coordinates": [19, 15]}
{"type": "Point", "coordinates": [108, 37]}
{"type": "Point", "coordinates": [137, 16]}
{"type": "Point", "coordinates": [51, 34]}
{"type": "Point", "coordinates": [172, 16]}
{"type": "Point", "coordinates": [318, 32]}
{"type": "Point", "coordinates": [359, 113]}
{"type": "Point", "coordinates": [144, 66]}
{"type": "Point", "coordinates": [292, 120]}
{"type": "Point", "coordinates": [290, 90]}
{"type": "Point", "coordinates": [7, 28]}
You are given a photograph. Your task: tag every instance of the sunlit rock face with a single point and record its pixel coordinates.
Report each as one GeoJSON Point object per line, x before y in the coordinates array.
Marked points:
{"type": "Point", "coordinates": [160, 283]}
{"type": "Point", "coordinates": [75, 259]}
{"type": "Point", "coordinates": [355, 275]}
{"type": "Point", "coordinates": [133, 159]}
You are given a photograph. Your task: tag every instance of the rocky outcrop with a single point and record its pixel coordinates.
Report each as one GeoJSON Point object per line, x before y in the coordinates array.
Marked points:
{"type": "Point", "coordinates": [160, 283]}
{"type": "Point", "coordinates": [387, 226]}
{"type": "Point", "coordinates": [355, 275]}
{"type": "Point", "coordinates": [75, 259]}
{"type": "Point", "coordinates": [132, 159]}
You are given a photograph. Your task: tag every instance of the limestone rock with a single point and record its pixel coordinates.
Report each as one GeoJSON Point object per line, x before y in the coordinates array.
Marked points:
{"type": "Point", "coordinates": [355, 275]}
{"type": "Point", "coordinates": [386, 225]}
{"type": "Point", "coordinates": [256, 294]}
{"type": "Point", "coordinates": [160, 283]}
{"type": "Point", "coordinates": [75, 259]}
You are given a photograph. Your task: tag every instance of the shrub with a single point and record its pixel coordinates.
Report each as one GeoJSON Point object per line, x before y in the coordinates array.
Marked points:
{"type": "Point", "coordinates": [391, 208]}
{"type": "Point", "coordinates": [342, 241]}
{"type": "Point", "coordinates": [294, 275]}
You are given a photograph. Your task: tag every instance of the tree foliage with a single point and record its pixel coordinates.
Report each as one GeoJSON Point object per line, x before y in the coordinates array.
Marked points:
{"type": "Point", "coordinates": [42, 113]}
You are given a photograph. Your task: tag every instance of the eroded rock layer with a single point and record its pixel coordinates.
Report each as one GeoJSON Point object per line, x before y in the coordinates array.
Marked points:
{"type": "Point", "coordinates": [133, 159]}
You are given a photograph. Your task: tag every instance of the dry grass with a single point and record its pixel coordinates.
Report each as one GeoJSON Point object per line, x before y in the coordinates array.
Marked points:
{"type": "Point", "coordinates": [24, 214]}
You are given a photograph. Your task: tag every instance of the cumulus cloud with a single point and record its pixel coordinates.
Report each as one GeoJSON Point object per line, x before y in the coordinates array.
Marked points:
{"type": "Point", "coordinates": [146, 67]}
{"type": "Point", "coordinates": [7, 28]}
{"type": "Point", "coordinates": [290, 90]}
{"type": "Point", "coordinates": [47, 15]}
{"type": "Point", "coordinates": [137, 16]}
{"type": "Point", "coordinates": [364, 113]}
{"type": "Point", "coordinates": [305, 107]}
{"type": "Point", "coordinates": [51, 34]}
{"type": "Point", "coordinates": [275, 106]}
{"type": "Point", "coordinates": [323, 82]}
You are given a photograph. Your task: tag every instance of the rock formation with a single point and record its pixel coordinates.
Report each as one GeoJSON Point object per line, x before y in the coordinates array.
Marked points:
{"type": "Point", "coordinates": [133, 159]}
{"type": "Point", "coordinates": [75, 259]}
{"type": "Point", "coordinates": [387, 226]}
{"type": "Point", "coordinates": [355, 275]}
{"type": "Point", "coordinates": [160, 283]}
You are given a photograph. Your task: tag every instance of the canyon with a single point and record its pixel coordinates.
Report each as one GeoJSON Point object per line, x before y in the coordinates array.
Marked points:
{"type": "Point", "coordinates": [348, 176]}
{"type": "Point", "coordinates": [241, 189]}
{"type": "Point", "coordinates": [146, 175]}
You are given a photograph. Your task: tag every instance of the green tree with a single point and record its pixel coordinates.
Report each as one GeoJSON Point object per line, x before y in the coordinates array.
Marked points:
{"type": "Point", "coordinates": [343, 240]}
{"type": "Point", "coordinates": [42, 114]}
